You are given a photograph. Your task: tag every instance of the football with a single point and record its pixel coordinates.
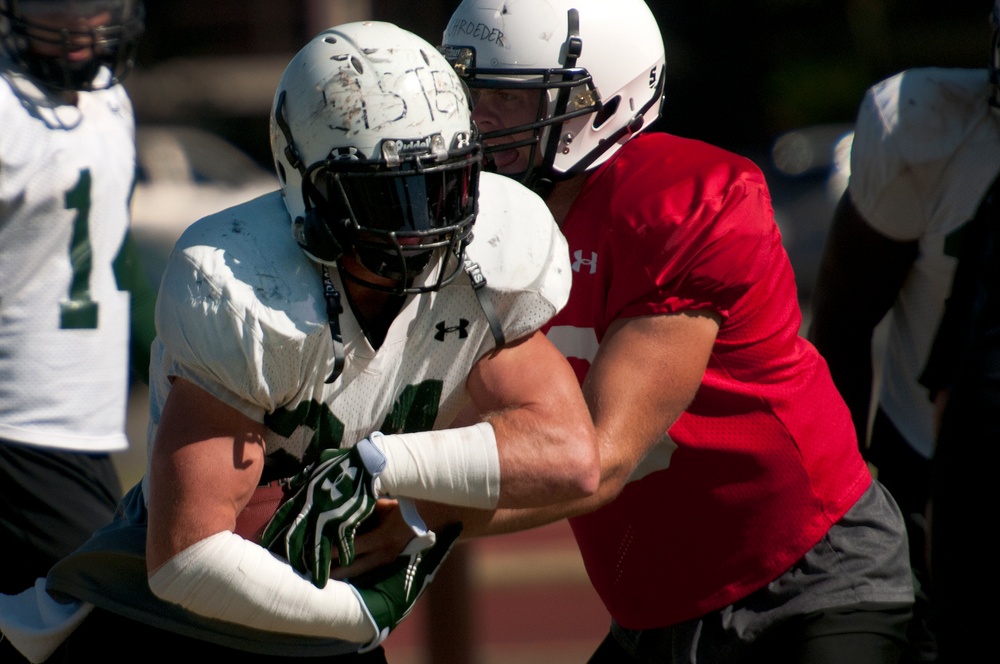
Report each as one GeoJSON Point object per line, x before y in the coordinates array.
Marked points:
{"type": "Point", "coordinates": [251, 522]}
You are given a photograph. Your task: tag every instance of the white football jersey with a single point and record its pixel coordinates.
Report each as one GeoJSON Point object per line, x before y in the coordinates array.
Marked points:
{"type": "Point", "coordinates": [241, 313]}
{"type": "Point", "coordinates": [66, 176]}
{"type": "Point", "coordinates": [926, 149]}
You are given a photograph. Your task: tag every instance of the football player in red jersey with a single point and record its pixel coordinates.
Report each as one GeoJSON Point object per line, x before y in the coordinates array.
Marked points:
{"type": "Point", "coordinates": [736, 520]}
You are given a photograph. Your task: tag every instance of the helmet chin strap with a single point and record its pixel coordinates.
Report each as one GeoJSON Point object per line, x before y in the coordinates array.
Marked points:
{"type": "Point", "coordinates": [334, 308]}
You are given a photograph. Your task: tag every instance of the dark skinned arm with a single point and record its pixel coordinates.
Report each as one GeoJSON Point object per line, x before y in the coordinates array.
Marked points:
{"type": "Point", "coordinates": [860, 275]}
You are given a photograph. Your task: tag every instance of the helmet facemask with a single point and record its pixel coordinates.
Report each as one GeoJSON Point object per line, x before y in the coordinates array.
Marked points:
{"type": "Point", "coordinates": [51, 40]}
{"type": "Point", "coordinates": [394, 213]}
{"type": "Point", "coordinates": [397, 218]}
{"type": "Point", "coordinates": [565, 93]}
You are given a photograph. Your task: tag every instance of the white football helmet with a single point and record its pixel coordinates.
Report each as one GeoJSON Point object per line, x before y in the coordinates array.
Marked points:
{"type": "Point", "coordinates": [42, 36]}
{"type": "Point", "coordinates": [376, 152]}
{"type": "Point", "coordinates": [600, 61]}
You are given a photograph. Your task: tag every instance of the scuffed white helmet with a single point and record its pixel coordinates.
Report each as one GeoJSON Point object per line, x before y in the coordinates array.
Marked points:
{"type": "Point", "coordinates": [376, 151]}
{"type": "Point", "coordinates": [600, 61]}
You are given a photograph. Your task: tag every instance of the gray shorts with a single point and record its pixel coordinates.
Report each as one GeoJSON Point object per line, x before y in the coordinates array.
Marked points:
{"type": "Point", "coordinates": [861, 564]}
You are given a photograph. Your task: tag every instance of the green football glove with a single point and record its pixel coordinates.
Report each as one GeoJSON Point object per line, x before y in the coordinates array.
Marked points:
{"type": "Point", "coordinates": [389, 598]}
{"type": "Point", "coordinates": [331, 499]}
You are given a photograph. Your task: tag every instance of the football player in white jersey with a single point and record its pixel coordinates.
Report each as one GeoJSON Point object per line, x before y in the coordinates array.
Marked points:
{"type": "Point", "coordinates": [926, 151]}
{"type": "Point", "coordinates": [334, 333]}
{"type": "Point", "coordinates": [67, 165]}
{"type": "Point", "coordinates": [963, 374]}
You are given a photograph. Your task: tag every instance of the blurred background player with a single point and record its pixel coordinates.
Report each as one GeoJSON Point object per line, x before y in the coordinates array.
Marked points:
{"type": "Point", "coordinates": [736, 520]}
{"type": "Point", "coordinates": [67, 167]}
{"type": "Point", "coordinates": [293, 326]}
{"type": "Point", "coordinates": [926, 149]}
{"type": "Point", "coordinates": [963, 375]}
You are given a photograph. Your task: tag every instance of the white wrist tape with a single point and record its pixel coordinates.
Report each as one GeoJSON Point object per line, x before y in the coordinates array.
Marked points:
{"type": "Point", "coordinates": [451, 466]}
{"type": "Point", "coordinates": [229, 578]}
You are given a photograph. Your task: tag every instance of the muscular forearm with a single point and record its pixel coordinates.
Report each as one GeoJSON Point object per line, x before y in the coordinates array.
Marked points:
{"type": "Point", "coordinates": [481, 466]}
{"type": "Point", "coordinates": [616, 474]}
{"type": "Point", "coordinates": [860, 275]}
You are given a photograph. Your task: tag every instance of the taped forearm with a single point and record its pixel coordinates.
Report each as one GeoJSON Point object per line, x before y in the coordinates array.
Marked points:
{"type": "Point", "coordinates": [229, 578]}
{"type": "Point", "coordinates": [452, 466]}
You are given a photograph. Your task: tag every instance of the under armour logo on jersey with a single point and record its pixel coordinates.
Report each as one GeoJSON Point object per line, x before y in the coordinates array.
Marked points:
{"type": "Point", "coordinates": [580, 262]}
{"type": "Point", "coordinates": [462, 328]}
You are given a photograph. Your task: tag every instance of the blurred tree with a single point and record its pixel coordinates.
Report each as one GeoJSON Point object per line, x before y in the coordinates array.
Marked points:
{"type": "Point", "coordinates": [738, 73]}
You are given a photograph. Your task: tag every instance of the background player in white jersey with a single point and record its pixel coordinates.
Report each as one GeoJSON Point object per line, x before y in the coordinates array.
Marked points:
{"type": "Point", "coordinates": [354, 305]}
{"type": "Point", "coordinates": [735, 520]}
{"type": "Point", "coordinates": [963, 376]}
{"type": "Point", "coordinates": [926, 150]}
{"type": "Point", "coordinates": [67, 165]}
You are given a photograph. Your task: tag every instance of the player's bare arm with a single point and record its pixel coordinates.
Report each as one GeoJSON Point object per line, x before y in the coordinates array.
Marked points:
{"type": "Point", "coordinates": [545, 438]}
{"type": "Point", "coordinates": [860, 275]}
{"type": "Point", "coordinates": [206, 462]}
{"type": "Point", "coordinates": [646, 373]}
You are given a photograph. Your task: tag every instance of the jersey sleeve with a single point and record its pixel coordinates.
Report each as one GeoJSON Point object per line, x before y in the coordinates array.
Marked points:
{"type": "Point", "coordinates": [907, 129]}
{"type": "Point", "coordinates": [878, 187]}
{"type": "Point", "coordinates": [228, 324]}
{"type": "Point", "coordinates": [700, 243]}
{"type": "Point", "coordinates": [522, 253]}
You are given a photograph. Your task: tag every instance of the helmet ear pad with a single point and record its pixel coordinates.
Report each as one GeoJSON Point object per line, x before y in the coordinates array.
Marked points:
{"type": "Point", "coordinates": [320, 239]}
{"type": "Point", "coordinates": [324, 232]}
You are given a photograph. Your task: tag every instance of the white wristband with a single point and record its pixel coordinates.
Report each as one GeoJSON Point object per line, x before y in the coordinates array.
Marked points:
{"type": "Point", "coordinates": [229, 578]}
{"type": "Point", "coordinates": [452, 466]}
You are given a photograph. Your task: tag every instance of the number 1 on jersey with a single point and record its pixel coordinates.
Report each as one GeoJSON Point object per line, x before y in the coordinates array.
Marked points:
{"type": "Point", "coordinates": [79, 312]}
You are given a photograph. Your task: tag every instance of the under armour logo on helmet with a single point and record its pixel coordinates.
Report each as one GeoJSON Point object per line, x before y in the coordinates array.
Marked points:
{"type": "Point", "coordinates": [462, 328]}
{"type": "Point", "coordinates": [345, 154]}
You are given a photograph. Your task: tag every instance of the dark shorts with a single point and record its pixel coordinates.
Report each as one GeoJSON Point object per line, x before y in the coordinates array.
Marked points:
{"type": "Point", "coordinates": [859, 634]}
{"type": "Point", "coordinates": [51, 501]}
{"type": "Point", "coordinates": [848, 599]}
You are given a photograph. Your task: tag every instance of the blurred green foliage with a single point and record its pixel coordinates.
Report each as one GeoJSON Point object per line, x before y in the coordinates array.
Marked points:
{"type": "Point", "coordinates": [739, 72]}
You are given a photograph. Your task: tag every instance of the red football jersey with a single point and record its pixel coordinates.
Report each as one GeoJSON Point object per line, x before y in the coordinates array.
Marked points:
{"type": "Point", "coordinates": [766, 458]}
